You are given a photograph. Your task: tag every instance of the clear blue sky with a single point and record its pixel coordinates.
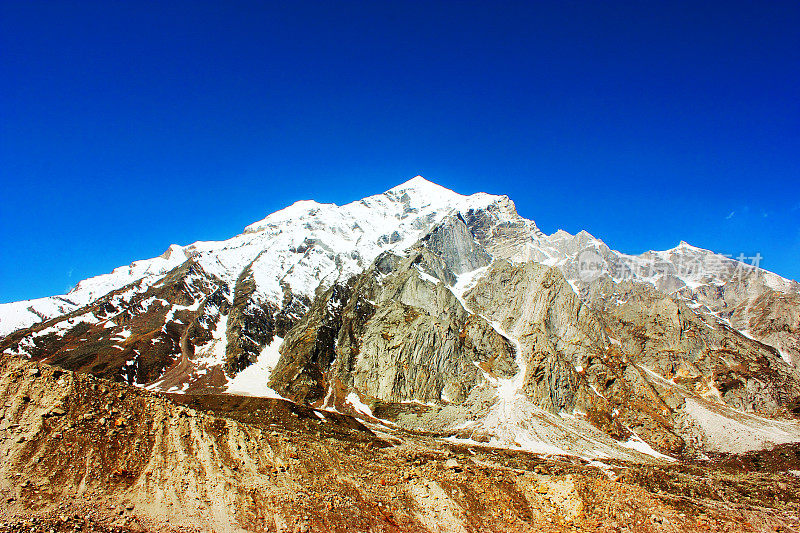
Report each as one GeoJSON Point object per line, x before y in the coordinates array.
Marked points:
{"type": "Point", "coordinates": [127, 126]}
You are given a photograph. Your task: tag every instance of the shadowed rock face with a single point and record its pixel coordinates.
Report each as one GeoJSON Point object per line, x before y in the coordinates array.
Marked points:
{"type": "Point", "coordinates": [309, 348]}
{"type": "Point", "coordinates": [133, 334]}
{"type": "Point", "coordinates": [145, 334]}
{"type": "Point", "coordinates": [456, 246]}
{"type": "Point", "coordinates": [253, 324]}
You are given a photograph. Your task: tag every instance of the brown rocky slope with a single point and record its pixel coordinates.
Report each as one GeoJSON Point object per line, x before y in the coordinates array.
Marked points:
{"type": "Point", "coordinates": [85, 453]}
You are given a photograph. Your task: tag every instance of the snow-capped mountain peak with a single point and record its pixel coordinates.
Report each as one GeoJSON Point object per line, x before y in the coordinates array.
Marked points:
{"type": "Point", "coordinates": [301, 246]}
{"type": "Point", "coordinates": [310, 244]}
{"type": "Point", "coordinates": [419, 187]}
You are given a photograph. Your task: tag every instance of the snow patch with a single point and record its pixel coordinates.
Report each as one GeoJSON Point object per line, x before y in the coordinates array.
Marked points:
{"type": "Point", "coordinates": [358, 405]}
{"type": "Point", "coordinates": [636, 443]}
{"type": "Point", "coordinates": [213, 352]}
{"type": "Point", "coordinates": [252, 381]}
{"type": "Point", "coordinates": [426, 277]}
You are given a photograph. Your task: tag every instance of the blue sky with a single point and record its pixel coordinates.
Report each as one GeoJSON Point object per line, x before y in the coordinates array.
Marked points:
{"type": "Point", "coordinates": [125, 127]}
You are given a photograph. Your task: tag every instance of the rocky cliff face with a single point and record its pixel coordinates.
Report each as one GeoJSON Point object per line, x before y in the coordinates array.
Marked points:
{"type": "Point", "coordinates": [397, 333]}
{"type": "Point", "coordinates": [498, 348]}
{"type": "Point", "coordinates": [438, 312]}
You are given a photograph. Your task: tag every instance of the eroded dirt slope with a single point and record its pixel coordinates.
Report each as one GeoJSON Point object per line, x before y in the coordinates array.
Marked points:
{"type": "Point", "coordinates": [83, 453]}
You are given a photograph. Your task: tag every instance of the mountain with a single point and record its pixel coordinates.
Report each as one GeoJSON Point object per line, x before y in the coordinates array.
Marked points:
{"type": "Point", "coordinates": [418, 360]}
{"type": "Point", "coordinates": [423, 308]}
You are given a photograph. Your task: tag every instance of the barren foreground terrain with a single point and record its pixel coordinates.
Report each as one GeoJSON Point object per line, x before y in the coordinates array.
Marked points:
{"type": "Point", "coordinates": [84, 454]}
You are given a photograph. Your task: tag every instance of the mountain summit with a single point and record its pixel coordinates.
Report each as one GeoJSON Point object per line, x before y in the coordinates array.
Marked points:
{"type": "Point", "coordinates": [421, 296]}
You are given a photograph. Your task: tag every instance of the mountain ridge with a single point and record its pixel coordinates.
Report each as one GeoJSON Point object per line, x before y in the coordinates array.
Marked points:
{"type": "Point", "coordinates": [506, 335]}
{"type": "Point", "coordinates": [24, 313]}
